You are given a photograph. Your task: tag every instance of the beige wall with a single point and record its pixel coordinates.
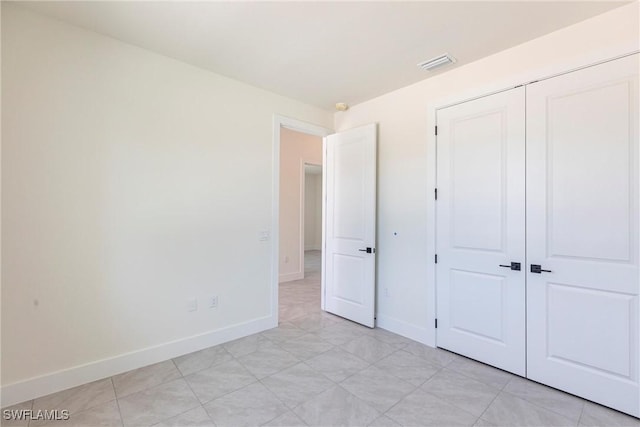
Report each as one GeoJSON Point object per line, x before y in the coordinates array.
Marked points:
{"type": "Point", "coordinates": [404, 303]}
{"type": "Point", "coordinates": [130, 182]}
{"type": "Point", "coordinates": [312, 212]}
{"type": "Point", "coordinates": [296, 149]}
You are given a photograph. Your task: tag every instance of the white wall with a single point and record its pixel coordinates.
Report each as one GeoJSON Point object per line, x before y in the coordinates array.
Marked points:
{"type": "Point", "coordinates": [405, 263]}
{"type": "Point", "coordinates": [312, 211]}
{"type": "Point", "coordinates": [296, 149]}
{"type": "Point", "coordinates": [130, 182]}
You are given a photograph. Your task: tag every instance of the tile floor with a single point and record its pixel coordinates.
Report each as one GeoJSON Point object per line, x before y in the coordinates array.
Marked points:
{"type": "Point", "coordinates": [320, 370]}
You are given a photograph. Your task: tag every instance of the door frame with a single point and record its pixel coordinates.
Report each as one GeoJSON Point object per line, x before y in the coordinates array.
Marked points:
{"type": "Point", "coordinates": [510, 82]}
{"type": "Point", "coordinates": [303, 212]}
{"type": "Point", "coordinates": [303, 195]}
{"type": "Point", "coordinates": [298, 126]}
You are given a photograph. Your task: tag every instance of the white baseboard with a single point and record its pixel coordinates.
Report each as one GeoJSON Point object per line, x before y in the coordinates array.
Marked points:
{"type": "Point", "coordinates": [288, 277]}
{"type": "Point", "coordinates": [78, 375]}
{"type": "Point", "coordinates": [407, 330]}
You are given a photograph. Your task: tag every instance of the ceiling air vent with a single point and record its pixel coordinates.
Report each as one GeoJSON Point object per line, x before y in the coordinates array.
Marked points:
{"type": "Point", "coordinates": [438, 61]}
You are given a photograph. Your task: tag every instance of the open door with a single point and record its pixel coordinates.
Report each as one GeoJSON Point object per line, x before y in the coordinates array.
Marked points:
{"type": "Point", "coordinates": [349, 257]}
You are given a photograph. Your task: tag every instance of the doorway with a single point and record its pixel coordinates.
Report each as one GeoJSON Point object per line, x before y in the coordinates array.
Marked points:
{"type": "Point", "coordinates": [347, 262]}
{"type": "Point", "coordinates": [300, 159]}
{"type": "Point", "coordinates": [312, 221]}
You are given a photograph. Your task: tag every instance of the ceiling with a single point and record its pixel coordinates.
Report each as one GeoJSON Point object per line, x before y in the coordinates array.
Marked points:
{"type": "Point", "coordinates": [323, 52]}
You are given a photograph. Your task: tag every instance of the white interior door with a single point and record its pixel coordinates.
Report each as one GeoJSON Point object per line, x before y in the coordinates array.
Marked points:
{"type": "Point", "coordinates": [350, 224]}
{"type": "Point", "coordinates": [480, 229]}
{"type": "Point", "coordinates": [582, 226]}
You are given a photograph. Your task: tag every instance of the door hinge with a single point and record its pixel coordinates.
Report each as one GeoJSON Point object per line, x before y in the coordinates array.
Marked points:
{"type": "Point", "coordinates": [435, 193]}
{"type": "Point", "coordinates": [436, 130]}
{"type": "Point", "coordinates": [436, 258]}
{"type": "Point", "coordinates": [436, 323]}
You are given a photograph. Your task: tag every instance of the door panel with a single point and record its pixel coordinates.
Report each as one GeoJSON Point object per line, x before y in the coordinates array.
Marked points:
{"type": "Point", "coordinates": [466, 288]}
{"type": "Point", "coordinates": [349, 279]}
{"type": "Point", "coordinates": [477, 184]}
{"type": "Point", "coordinates": [347, 270]}
{"type": "Point", "coordinates": [603, 151]}
{"type": "Point", "coordinates": [480, 216]}
{"type": "Point", "coordinates": [582, 226]}
{"type": "Point", "coordinates": [349, 178]}
{"type": "Point", "coordinates": [610, 308]}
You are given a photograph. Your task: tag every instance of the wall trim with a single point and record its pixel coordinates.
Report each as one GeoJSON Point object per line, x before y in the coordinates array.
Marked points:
{"type": "Point", "coordinates": [104, 368]}
{"type": "Point", "coordinates": [288, 277]}
{"type": "Point", "coordinates": [403, 328]}
{"type": "Point", "coordinates": [302, 180]}
{"type": "Point", "coordinates": [323, 237]}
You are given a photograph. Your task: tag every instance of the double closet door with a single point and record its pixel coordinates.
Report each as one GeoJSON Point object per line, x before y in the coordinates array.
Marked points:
{"type": "Point", "coordinates": [537, 232]}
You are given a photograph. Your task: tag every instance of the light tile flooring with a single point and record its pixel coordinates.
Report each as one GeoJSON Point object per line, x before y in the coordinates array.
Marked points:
{"type": "Point", "coordinates": [320, 370]}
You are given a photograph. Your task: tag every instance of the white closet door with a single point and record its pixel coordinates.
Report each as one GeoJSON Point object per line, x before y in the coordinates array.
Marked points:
{"type": "Point", "coordinates": [480, 226]}
{"type": "Point", "coordinates": [582, 226]}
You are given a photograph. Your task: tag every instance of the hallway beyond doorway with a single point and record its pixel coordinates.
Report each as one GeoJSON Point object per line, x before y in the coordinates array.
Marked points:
{"type": "Point", "coordinates": [302, 297]}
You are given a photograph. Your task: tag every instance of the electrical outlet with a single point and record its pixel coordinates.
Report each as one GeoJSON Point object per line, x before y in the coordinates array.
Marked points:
{"type": "Point", "coordinates": [192, 304]}
{"type": "Point", "coordinates": [213, 301]}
